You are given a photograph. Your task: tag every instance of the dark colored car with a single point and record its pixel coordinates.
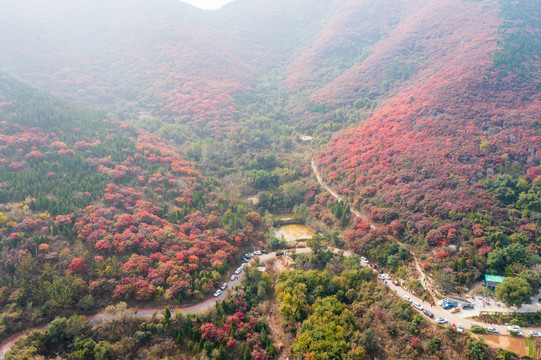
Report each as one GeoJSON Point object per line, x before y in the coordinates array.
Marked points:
{"type": "Point", "coordinates": [428, 313]}
{"type": "Point", "coordinates": [467, 306]}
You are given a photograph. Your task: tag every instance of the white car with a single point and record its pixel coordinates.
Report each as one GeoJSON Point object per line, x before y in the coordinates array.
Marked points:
{"type": "Point", "coordinates": [217, 293]}
{"type": "Point", "coordinates": [417, 306]}
{"type": "Point", "coordinates": [459, 328]}
{"type": "Point", "coordinates": [238, 271]}
{"type": "Point", "coordinates": [440, 303]}
{"type": "Point", "coordinates": [441, 320]}
{"type": "Point", "coordinates": [364, 260]}
{"type": "Point", "coordinates": [242, 266]}
{"type": "Point", "coordinates": [386, 276]}
{"type": "Point", "coordinates": [492, 330]}
{"type": "Point", "coordinates": [380, 276]}
{"type": "Point", "coordinates": [407, 298]}
{"type": "Point", "coordinates": [513, 328]}
{"type": "Point", "coordinates": [224, 286]}
{"type": "Point", "coordinates": [534, 334]}
{"type": "Point", "coordinates": [233, 277]}
{"type": "Point", "coordinates": [257, 252]}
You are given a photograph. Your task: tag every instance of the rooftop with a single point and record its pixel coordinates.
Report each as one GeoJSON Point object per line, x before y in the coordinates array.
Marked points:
{"type": "Point", "coordinates": [494, 278]}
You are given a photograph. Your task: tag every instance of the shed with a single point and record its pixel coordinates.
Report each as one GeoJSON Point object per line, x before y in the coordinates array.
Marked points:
{"type": "Point", "coordinates": [491, 281]}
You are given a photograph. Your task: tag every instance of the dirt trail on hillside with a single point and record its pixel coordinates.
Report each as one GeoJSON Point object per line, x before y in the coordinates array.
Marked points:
{"type": "Point", "coordinates": [422, 275]}
{"type": "Point", "coordinates": [335, 194]}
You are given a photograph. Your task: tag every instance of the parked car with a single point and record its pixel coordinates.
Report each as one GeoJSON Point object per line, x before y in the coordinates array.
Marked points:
{"type": "Point", "coordinates": [407, 298]}
{"type": "Point", "coordinates": [364, 260]}
{"type": "Point", "coordinates": [441, 320]}
{"type": "Point", "coordinates": [534, 334]}
{"type": "Point", "coordinates": [233, 277]}
{"type": "Point", "coordinates": [459, 328]}
{"type": "Point", "coordinates": [448, 305]}
{"type": "Point", "coordinates": [257, 252]}
{"type": "Point", "coordinates": [245, 260]}
{"type": "Point", "coordinates": [217, 293]}
{"type": "Point", "coordinates": [224, 286]}
{"type": "Point", "coordinates": [264, 251]}
{"type": "Point", "coordinates": [238, 271]}
{"type": "Point", "coordinates": [455, 310]}
{"type": "Point", "coordinates": [428, 313]}
{"type": "Point", "coordinates": [467, 306]}
{"type": "Point", "coordinates": [417, 306]}
{"type": "Point", "coordinates": [492, 330]}
{"type": "Point", "coordinates": [395, 283]}
{"type": "Point", "coordinates": [386, 276]}
{"type": "Point", "coordinates": [474, 325]}
{"type": "Point", "coordinates": [513, 328]}
{"type": "Point", "coordinates": [441, 302]}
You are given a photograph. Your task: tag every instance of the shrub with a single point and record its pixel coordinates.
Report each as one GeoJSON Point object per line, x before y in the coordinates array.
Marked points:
{"type": "Point", "coordinates": [478, 330]}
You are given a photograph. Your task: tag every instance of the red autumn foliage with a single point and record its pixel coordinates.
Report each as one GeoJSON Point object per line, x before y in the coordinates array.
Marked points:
{"type": "Point", "coordinates": [77, 266]}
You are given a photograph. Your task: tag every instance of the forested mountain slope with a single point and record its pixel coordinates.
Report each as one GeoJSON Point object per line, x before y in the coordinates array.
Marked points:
{"type": "Point", "coordinates": [163, 57]}
{"type": "Point", "coordinates": [93, 211]}
{"type": "Point", "coordinates": [452, 158]}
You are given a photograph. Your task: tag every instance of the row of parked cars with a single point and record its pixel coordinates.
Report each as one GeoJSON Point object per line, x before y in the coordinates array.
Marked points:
{"type": "Point", "coordinates": [448, 305]}
{"type": "Point", "coordinates": [245, 260]}
{"type": "Point", "coordinates": [382, 275]}
{"type": "Point", "coordinates": [518, 331]}
{"type": "Point", "coordinates": [419, 307]}
{"type": "Point", "coordinates": [248, 256]}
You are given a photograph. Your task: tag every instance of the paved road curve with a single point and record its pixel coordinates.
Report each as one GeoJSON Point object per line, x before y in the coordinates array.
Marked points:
{"type": "Point", "coordinates": [206, 304]}
{"type": "Point", "coordinates": [147, 313]}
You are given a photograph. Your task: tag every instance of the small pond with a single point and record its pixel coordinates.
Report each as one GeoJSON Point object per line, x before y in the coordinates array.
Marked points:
{"type": "Point", "coordinates": [294, 232]}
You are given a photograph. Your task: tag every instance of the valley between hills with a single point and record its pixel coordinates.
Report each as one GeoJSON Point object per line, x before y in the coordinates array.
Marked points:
{"type": "Point", "coordinates": [151, 154]}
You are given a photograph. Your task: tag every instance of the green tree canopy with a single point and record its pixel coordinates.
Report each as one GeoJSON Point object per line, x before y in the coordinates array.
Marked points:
{"type": "Point", "coordinates": [514, 291]}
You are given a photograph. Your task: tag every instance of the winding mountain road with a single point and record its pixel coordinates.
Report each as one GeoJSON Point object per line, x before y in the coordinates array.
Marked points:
{"type": "Point", "coordinates": [147, 313]}
{"type": "Point", "coordinates": [422, 275]}
{"type": "Point", "coordinates": [334, 193]}
{"type": "Point", "coordinates": [208, 303]}
{"type": "Point", "coordinates": [436, 310]}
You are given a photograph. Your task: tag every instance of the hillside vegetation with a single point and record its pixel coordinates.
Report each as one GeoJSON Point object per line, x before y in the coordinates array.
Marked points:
{"type": "Point", "coordinates": [451, 161]}
{"type": "Point", "coordinates": [424, 116]}
{"type": "Point", "coordinates": [95, 211]}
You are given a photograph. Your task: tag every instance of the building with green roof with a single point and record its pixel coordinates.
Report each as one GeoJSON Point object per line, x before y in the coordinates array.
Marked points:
{"type": "Point", "coordinates": [491, 281]}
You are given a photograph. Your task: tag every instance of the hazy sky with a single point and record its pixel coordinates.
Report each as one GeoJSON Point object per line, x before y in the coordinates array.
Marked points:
{"type": "Point", "coordinates": [207, 4]}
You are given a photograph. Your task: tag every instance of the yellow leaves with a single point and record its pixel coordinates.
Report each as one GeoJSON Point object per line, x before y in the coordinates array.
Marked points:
{"type": "Point", "coordinates": [3, 219]}
{"type": "Point", "coordinates": [45, 215]}
{"type": "Point", "coordinates": [485, 145]}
